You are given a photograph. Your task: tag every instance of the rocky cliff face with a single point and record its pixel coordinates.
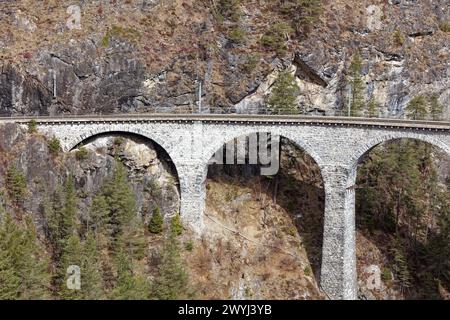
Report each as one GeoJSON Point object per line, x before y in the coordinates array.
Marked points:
{"type": "Point", "coordinates": [79, 57]}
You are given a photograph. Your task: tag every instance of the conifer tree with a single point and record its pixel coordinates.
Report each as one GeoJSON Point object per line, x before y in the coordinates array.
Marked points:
{"type": "Point", "coordinates": [16, 184]}
{"type": "Point", "coordinates": [34, 265]}
{"type": "Point", "coordinates": [9, 277]}
{"type": "Point", "coordinates": [171, 282]}
{"type": "Point", "coordinates": [176, 226]}
{"type": "Point", "coordinates": [135, 240]}
{"type": "Point", "coordinates": [417, 108]}
{"type": "Point", "coordinates": [372, 108]}
{"type": "Point", "coordinates": [99, 215]}
{"type": "Point", "coordinates": [92, 286]}
{"type": "Point", "coordinates": [282, 99]}
{"type": "Point", "coordinates": [400, 266]}
{"type": "Point", "coordinates": [357, 85]}
{"type": "Point", "coordinates": [23, 264]}
{"type": "Point", "coordinates": [120, 199]}
{"type": "Point", "coordinates": [61, 212]}
{"type": "Point", "coordinates": [156, 222]}
{"type": "Point", "coordinates": [128, 285]}
{"type": "Point", "coordinates": [436, 108]}
{"type": "Point", "coordinates": [70, 210]}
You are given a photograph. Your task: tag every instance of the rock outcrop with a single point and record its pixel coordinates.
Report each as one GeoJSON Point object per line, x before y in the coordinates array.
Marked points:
{"type": "Point", "coordinates": [82, 57]}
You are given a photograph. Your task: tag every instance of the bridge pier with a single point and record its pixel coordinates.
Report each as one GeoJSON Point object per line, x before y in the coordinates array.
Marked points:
{"type": "Point", "coordinates": [192, 178]}
{"type": "Point", "coordinates": [338, 271]}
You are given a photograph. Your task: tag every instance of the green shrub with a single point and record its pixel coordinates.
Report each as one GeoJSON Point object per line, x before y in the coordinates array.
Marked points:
{"type": "Point", "coordinates": [307, 271]}
{"type": "Point", "coordinates": [118, 141]}
{"type": "Point", "coordinates": [251, 63]}
{"type": "Point", "coordinates": [105, 41]}
{"type": "Point", "coordinates": [156, 222]}
{"type": "Point", "coordinates": [386, 274]}
{"type": "Point", "coordinates": [227, 10]}
{"type": "Point", "coordinates": [32, 126]}
{"type": "Point", "coordinates": [176, 226]}
{"type": "Point", "coordinates": [275, 37]}
{"type": "Point", "coordinates": [237, 35]}
{"type": "Point", "coordinates": [82, 153]}
{"type": "Point", "coordinates": [399, 38]}
{"type": "Point", "coordinates": [189, 246]}
{"type": "Point", "coordinates": [302, 12]}
{"type": "Point", "coordinates": [126, 33]}
{"type": "Point", "coordinates": [444, 26]}
{"type": "Point", "coordinates": [54, 146]}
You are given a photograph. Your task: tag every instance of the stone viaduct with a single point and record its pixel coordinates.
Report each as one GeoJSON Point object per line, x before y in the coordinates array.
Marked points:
{"type": "Point", "coordinates": [336, 144]}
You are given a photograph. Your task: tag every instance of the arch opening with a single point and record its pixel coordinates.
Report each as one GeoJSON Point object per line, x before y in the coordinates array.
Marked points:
{"type": "Point", "coordinates": [402, 211]}
{"type": "Point", "coordinates": [160, 151]}
{"type": "Point", "coordinates": [151, 170]}
{"type": "Point", "coordinates": [272, 221]}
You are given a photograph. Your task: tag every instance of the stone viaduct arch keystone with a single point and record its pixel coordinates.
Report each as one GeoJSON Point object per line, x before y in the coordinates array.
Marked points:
{"type": "Point", "coordinates": [335, 143]}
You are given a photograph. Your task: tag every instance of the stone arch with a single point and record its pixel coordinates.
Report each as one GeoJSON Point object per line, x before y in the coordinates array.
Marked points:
{"type": "Point", "coordinates": [229, 135]}
{"type": "Point", "coordinates": [351, 175]}
{"type": "Point", "coordinates": [160, 144]}
{"type": "Point", "coordinates": [83, 136]}
{"type": "Point", "coordinates": [298, 141]}
{"type": "Point", "coordinates": [369, 144]}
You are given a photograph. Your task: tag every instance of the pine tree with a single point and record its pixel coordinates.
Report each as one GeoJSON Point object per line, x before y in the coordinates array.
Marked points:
{"type": "Point", "coordinates": [99, 215]}
{"type": "Point", "coordinates": [135, 240]}
{"type": "Point", "coordinates": [23, 264]}
{"type": "Point", "coordinates": [417, 108]}
{"type": "Point", "coordinates": [436, 108]}
{"type": "Point", "coordinates": [16, 184]}
{"type": "Point", "coordinates": [372, 108]}
{"type": "Point", "coordinates": [128, 285]}
{"type": "Point", "coordinates": [401, 265]}
{"type": "Point", "coordinates": [282, 99]}
{"type": "Point", "coordinates": [9, 277]}
{"type": "Point", "coordinates": [176, 226]}
{"type": "Point", "coordinates": [92, 285]}
{"type": "Point", "coordinates": [357, 85]}
{"type": "Point", "coordinates": [61, 212]}
{"type": "Point", "coordinates": [34, 265]}
{"type": "Point", "coordinates": [52, 213]}
{"type": "Point", "coordinates": [171, 282]}
{"type": "Point", "coordinates": [156, 222]}
{"type": "Point", "coordinates": [9, 280]}
{"type": "Point", "coordinates": [120, 199]}
{"type": "Point", "coordinates": [70, 209]}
